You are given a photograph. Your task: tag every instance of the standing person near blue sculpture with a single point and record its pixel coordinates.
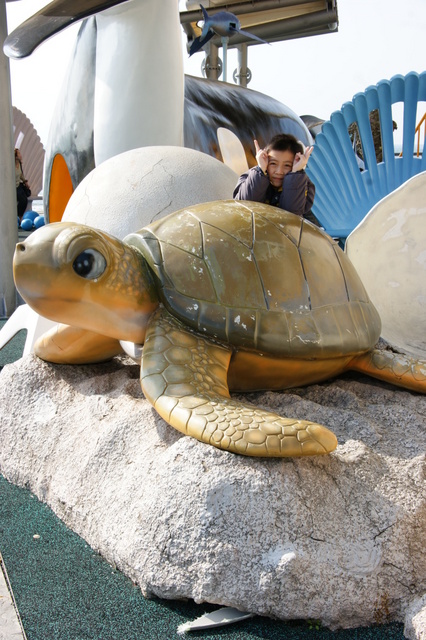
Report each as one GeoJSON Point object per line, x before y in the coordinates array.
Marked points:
{"type": "Point", "coordinates": [279, 178]}
{"type": "Point", "coordinates": [23, 190]}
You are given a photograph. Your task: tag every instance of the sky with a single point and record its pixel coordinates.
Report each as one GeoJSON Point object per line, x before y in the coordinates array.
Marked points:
{"type": "Point", "coordinates": [376, 39]}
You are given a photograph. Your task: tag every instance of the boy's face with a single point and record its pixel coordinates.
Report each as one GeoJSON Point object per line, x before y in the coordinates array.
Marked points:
{"type": "Point", "coordinates": [279, 164]}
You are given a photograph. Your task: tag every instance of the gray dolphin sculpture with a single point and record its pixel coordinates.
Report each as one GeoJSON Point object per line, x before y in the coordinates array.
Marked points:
{"type": "Point", "coordinates": [222, 23]}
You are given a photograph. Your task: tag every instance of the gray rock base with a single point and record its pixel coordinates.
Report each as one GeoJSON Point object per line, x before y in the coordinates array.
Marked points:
{"type": "Point", "coordinates": [338, 538]}
{"type": "Point", "coordinates": [415, 620]}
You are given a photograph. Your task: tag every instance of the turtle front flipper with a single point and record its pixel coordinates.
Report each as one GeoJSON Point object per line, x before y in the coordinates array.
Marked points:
{"type": "Point", "coordinates": [64, 344]}
{"type": "Point", "coordinates": [396, 368]}
{"type": "Point", "coordinates": [184, 376]}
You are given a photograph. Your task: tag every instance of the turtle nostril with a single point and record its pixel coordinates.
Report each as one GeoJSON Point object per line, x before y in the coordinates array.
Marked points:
{"type": "Point", "coordinates": [20, 246]}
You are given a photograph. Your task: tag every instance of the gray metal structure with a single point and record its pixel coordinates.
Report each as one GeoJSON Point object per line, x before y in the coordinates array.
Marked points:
{"type": "Point", "coordinates": [271, 20]}
{"type": "Point", "coordinates": [8, 209]}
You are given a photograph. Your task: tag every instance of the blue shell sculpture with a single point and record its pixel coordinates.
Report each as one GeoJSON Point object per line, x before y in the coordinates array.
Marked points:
{"type": "Point", "coordinates": [344, 193]}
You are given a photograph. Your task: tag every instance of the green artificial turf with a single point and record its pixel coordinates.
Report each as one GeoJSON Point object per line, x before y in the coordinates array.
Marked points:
{"type": "Point", "coordinates": [12, 350]}
{"type": "Point", "coordinates": [66, 591]}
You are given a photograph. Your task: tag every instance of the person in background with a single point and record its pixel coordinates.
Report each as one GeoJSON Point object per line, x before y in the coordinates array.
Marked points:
{"type": "Point", "coordinates": [23, 190]}
{"type": "Point", "coordinates": [279, 178]}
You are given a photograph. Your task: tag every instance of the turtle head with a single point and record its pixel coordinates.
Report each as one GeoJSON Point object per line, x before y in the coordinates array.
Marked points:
{"type": "Point", "coordinates": [76, 275]}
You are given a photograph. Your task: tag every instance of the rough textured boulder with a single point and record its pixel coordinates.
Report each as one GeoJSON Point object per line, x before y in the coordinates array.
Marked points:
{"type": "Point", "coordinates": [415, 620]}
{"type": "Point", "coordinates": [338, 538]}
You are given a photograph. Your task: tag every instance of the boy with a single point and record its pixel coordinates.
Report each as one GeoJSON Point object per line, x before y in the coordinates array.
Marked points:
{"type": "Point", "coordinates": [279, 178]}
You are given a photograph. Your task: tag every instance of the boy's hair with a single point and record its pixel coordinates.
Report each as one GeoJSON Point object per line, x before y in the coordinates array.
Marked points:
{"type": "Point", "coordinates": [284, 142]}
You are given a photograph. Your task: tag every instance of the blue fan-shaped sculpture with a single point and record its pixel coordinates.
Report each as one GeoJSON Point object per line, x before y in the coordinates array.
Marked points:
{"type": "Point", "coordinates": [344, 193]}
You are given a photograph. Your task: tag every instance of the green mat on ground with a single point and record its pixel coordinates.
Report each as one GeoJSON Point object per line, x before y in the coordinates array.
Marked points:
{"type": "Point", "coordinates": [12, 350]}
{"type": "Point", "coordinates": [66, 591]}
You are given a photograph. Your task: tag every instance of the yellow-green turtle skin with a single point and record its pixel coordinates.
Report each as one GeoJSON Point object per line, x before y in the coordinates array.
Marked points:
{"type": "Point", "coordinates": [225, 296]}
{"type": "Point", "coordinates": [195, 397]}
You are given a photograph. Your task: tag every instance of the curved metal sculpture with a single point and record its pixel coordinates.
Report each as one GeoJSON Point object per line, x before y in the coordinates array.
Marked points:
{"type": "Point", "coordinates": [344, 194]}
{"type": "Point", "coordinates": [224, 296]}
{"type": "Point", "coordinates": [210, 105]}
{"type": "Point", "coordinates": [206, 107]}
{"type": "Point", "coordinates": [118, 96]}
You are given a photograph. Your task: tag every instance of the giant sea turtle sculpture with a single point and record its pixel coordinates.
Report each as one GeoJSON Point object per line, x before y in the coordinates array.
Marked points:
{"type": "Point", "coordinates": [224, 296]}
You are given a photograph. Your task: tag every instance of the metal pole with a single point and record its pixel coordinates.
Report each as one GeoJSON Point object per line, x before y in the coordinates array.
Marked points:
{"type": "Point", "coordinates": [242, 65]}
{"type": "Point", "coordinates": [8, 207]}
{"type": "Point", "coordinates": [225, 56]}
{"type": "Point", "coordinates": [212, 64]}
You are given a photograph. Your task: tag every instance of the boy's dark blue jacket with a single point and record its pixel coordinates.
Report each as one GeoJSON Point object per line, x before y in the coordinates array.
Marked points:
{"type": "Point", "coordinates": [296, 196]}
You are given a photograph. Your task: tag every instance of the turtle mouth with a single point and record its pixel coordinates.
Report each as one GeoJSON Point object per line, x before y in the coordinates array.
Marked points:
{"type": "Point", "coordinates": [29, 272]}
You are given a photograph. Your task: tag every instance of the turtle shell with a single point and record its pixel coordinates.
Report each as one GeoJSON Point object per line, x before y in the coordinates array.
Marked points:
{"type": "Point", "coordinates": [259, 278]}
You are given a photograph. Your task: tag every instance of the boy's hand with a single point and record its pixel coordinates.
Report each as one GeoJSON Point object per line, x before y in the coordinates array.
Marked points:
{"type": "Point", "coordinates": [261, 157]}
{"type": "Point", "coordinates": [301, 159]}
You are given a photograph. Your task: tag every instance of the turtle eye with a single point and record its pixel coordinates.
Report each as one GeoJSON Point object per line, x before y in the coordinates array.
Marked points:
{"type": "Point", "coordinates": [90, 264]}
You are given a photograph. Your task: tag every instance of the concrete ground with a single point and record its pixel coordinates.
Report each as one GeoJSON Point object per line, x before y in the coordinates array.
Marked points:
{"type": "Point", "coordinates": [10, 621]}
